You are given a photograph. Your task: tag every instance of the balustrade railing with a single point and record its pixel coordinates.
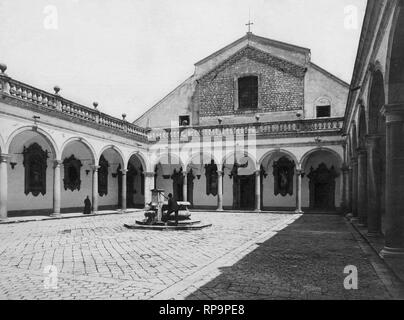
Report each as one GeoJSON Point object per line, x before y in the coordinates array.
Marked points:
{"type": "Point", "coordinates": [55, 102]}
{"type": "Point", "coordinates": [46, 100]}
{"type": "Point", "coordinates": [309, 126]}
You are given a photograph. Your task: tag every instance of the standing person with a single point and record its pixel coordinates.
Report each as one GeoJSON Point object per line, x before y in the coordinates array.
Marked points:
{"type": "Point", "coordinates": [172, 207]}
{"type": "Point", "coordinates": [87, 206]}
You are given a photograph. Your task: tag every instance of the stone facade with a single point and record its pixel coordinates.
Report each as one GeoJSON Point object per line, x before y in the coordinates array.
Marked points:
{"type": "Point", "coordinates": [280, 85]}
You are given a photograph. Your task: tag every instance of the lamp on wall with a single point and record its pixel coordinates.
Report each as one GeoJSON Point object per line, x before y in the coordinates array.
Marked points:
{"type": "Point", "coordinates": [87, 172]}
{"type": "Point", "coordinates": [13, 164]}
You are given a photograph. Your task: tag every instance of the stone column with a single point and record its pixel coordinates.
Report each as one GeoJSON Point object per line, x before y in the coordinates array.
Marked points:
{"type": "Point", "coordinates": [95, 189]}
{"type": "Point", "coordinates": [374, 187]}
{"type": "Point", "coordinates": [362, 187]}
{"type": "Point", "coordinates": [185, 188]}
{"type": "Point", "coordinates": [299, 174]}
{"type": "Point", "coordinates": [349, 188]}
{"type": "Point", "coordinates": [148, 186]}
{"type": "Point", "coordinates": [394, 237]}
{"type": "Point", "coordinates": [354, 185]}
{"type": "Point", "coordinates": [345, 189]}
{"type": "Point", "coordinates": [220, 191]}
{"type": "Point", "coordinates": [3, 186]}
{"type": "Point", "coordinates": [56, 188]}
{"type": "Point", "coordinates": [124, 191]}
{"type": "Point", "coordinates": [258, 191]}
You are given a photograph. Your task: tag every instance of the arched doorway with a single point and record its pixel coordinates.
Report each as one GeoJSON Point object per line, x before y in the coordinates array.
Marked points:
{"type": "Point", "coordinates": [76, 175]}
{"type": "Point", "coordinates": [321, 184]}
{"type": "Point", "coordinates": [239, 181]}
{"type": "Point", "coordinates": [135, 183]}
{"type": "Point", "coordinates": [110, 169]}
{"type": "Point", "coordinates": [202, 181]}
{"type": "Point", "coordinates": [30, 180]}
{"type": "Point", "coordinates": [278, 183]}
{"type": "Point", "coordinates": [169, 175]}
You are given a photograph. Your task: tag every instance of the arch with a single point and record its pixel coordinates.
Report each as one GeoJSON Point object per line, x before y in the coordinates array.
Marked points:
{"type": "Point", "coordinates": [280, 151]}
{"type": "Point", "coordinates": [243, 152]}
{"type": "Point", "coordinates": [195, 154]}
{"type": "Point", "coordinates": [308, 154]}
{"type": "Point", "coordinates": [84, 142]}
{"type": "Point", "coordinates": [141, 157]}
{"type": "Point", "coordinates": [158, 158]}
{"type": "Point", "coordinates": [115, 148]}
{"type": "Point", "coordinates": [395, 57]}
{"type": "Point", "coordinates": [43, 133]}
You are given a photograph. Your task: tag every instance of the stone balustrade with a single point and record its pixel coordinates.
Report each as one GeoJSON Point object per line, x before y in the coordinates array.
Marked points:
{"type": "Point", "coordinates": [308, 126]}
{"type": "Point", "coordinates": [48, 101]}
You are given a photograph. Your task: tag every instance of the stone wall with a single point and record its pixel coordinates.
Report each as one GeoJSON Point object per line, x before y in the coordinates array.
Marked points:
{"type": "Point", "coordinates": [281, 85]}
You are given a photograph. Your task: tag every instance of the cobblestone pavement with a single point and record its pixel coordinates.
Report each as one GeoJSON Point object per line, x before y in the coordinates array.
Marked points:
{"type": "Point", "coordinates": [98, 258]}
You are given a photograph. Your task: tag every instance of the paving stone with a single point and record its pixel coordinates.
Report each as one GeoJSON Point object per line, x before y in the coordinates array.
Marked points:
{"type": "Point", "coordinates": [101, 259]}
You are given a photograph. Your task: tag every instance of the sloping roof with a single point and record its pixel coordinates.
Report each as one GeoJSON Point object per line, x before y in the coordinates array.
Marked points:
{"type": "Point", "coordinates": [148, 111]}
{"type": "Point", "coordinates": [262, 40]}
{"type": "Point", "coordinates": [330, 75]}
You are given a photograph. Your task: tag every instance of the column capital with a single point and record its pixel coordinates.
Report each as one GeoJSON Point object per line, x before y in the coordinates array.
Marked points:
{"type": "Point", "coordinates": [4, 157]}
{"type": "Point", "coordinates": [57, 163]}
{"type": "Point", "coordinates": [393, 112]}
{"type": "Point", "coordinates": [149, 174]}
{"type": "Point", "coordinates": [124, 171]}
{"type": "Point", "coordinates": [299, 172]}
{"type": "Point", "coordinates": [220, 172]}
{"type": "Point", "coordinates": [94, 167]}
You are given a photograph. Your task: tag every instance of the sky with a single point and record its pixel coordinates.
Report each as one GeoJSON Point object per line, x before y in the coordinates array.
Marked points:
{"type": "Point", "coordinates": [129, 54]}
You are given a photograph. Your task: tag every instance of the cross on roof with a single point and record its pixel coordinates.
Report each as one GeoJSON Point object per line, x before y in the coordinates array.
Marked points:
{"type": "Point", "coordinates": [249, 24]}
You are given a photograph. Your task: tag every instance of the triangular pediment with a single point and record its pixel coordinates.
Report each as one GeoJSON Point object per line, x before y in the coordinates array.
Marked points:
{"type": "Point", "coordinates": [260, 56]}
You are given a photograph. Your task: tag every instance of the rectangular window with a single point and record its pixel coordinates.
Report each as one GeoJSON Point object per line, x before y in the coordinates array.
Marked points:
{"type": "Point", "coordinates": [184, 121]}
{"type": "Point", "coordinates": [248, 92]}
{"type": "Point", "coordinates": [323, 111]}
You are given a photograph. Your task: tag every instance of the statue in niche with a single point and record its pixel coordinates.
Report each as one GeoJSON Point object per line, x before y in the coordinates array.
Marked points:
{"type": "Point", "coordinates": [72, 168]}
{"type": "Point", "coordinates": [211, 178]}
{"type": "Point", "coordinates": [35, 164]}
{"type": "Point", "coordinates": [283, 171]}
{"type": "Point", "coordinates": [103, 177]}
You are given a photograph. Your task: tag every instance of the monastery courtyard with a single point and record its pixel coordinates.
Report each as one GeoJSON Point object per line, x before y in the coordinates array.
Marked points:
{"type": "Point", "coordinates": [242, 256]}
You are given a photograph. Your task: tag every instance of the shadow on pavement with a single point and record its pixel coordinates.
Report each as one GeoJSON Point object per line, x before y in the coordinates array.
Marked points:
{"type": "Point", "coordinates": [306, 260]}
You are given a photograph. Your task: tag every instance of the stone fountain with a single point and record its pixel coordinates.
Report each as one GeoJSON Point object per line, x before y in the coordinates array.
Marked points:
{"type": "Point", "coordinates": [157, 219]}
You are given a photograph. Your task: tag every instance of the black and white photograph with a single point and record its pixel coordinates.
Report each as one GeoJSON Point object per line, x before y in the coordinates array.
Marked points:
{"type": "Point", "coordinates": [201, 155]}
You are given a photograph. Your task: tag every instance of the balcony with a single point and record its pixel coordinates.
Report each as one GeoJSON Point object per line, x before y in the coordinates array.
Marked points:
{"type": "Point", "coordinates": [41, 101]}
{"type": "Point", "coordinates": [307, 127]}
{"type": "Point", "coordinates": [45, 102]}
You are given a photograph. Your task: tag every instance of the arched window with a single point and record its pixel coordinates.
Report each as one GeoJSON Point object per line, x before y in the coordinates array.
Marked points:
{"type": "Point", "coordinates": [248, 92]}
